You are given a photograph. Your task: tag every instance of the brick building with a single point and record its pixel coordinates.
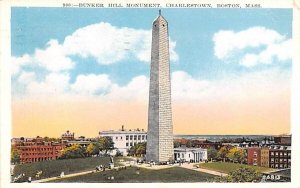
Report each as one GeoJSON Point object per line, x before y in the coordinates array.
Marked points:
{"type": "Point", "coordinates": [38, 150]}
{"type": "Point", "coordinates": [258, 156]}
{"type": "Point", "coordinates": [283, 140]}
{"type": "Point", "coordinates": [280, 157]}
{"type": "Point", "coordinates": [183, 142]}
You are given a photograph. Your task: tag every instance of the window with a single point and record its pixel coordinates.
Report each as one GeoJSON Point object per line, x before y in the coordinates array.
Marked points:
{"type": "Point", "coordinates": [276, 153]}
{"type": "Point", "coordinates": [116, 138]}
{"type": "Point", "coordinates": [127, 144]}
{"type": "Point", "coordinates": [276, 160]}
{"type": "Point", "coordinates": [130, 137]}
{"type": "Point", "coordinates": [280, 153]}
{"type": "Point", "coordinates": [143, 137]}
{"type": "Point", "coordinates": [130, 144]}
{"type": "Point", "coordinates": [182, 155]}
{"type": "Point", "coordinates": [127, 137]}
{"type": "Point", "coordinates": [121, 137]}
{"type": "Point", "coordinates": [272, 153]}
{"type": "Point", "coordinates": [280, 160]}
{"type": "Point", "coordinates": [285, 154]}
{"type": "Point", "coordinates": [139, 137]}
{"type": "Point", "coordinates": [284, 160]}
{"type": "Point", "coordinates": [134, 137]}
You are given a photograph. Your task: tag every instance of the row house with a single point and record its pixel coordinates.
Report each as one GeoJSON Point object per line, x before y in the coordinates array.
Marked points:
{"type": "Point", "coordinates": [271, 157]}
{"type": "Point", "coordinates": [38, 151]}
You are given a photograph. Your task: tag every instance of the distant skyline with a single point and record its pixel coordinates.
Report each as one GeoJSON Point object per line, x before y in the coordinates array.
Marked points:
{"type": "Point", "coordinates": [87, 70]}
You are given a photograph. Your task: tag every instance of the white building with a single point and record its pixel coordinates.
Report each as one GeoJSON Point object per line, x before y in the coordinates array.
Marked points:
{"type": "Point", "coordinates": [125, 139]}
{"type": "Point", "coordinates": [190, 154]}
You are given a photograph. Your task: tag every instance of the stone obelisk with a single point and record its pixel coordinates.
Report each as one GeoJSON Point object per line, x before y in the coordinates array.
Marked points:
{"type": "Point", "coordinates": [160, 146]}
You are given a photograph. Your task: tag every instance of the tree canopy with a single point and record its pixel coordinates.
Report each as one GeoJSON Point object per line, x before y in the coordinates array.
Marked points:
{"type": "Point", "coordinates": [74, 151]}
{"type": "Point", "coordinates": [105, 144]}
{"type": "Point", "coordinates": [236, 154]}
{"type": "Point", "coordinates": [138, 149]}
{"type": "Point", "coordinates": [15, 155]}
{"type": "Point", "coordinates": [240, 175]}
{"type": "Point", "coordinates": [212, 153]}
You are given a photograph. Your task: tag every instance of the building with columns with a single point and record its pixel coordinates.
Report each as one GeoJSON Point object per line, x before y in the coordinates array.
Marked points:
{"type": "Point", "coordinates": [193, 155]}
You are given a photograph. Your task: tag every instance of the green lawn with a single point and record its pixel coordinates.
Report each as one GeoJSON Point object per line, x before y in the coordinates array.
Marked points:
{"type": "Point", "coordinates": [55, 167]}
{"type": "Point", "coordinates": [129, 175]}
{"type": "Point", "coordinates": [229, 167]}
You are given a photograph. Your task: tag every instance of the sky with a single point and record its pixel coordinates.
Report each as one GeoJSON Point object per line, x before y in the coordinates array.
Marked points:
{"type": "Point", "coordinates": [87, 70]}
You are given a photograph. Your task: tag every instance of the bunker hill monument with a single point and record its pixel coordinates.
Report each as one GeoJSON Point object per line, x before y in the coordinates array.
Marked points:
{"type": "Point", "coordinates": [160, 146]}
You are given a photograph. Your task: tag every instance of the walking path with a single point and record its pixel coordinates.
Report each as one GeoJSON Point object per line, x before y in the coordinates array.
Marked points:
{"type": "Point", "coordinates": [65, 176]}
{"type": "Point", "coordinates": [189, 166]}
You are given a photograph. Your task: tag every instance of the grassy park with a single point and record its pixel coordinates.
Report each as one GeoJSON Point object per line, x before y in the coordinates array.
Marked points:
{"type": "Point", "coordinates": [229, 167]}
{"type": "Point", "coordinates": [142, 175]}
{"type": "Point", "coordinates": [54, 168]}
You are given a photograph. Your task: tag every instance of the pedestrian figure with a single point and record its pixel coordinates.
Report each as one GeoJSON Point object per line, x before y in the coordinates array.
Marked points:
{"type": "Point", "coordinates": [29, 179]}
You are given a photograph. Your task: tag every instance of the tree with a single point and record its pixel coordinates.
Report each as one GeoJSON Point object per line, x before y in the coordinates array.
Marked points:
{"type": "Point", "coordinates": [141, 149]}
{"type": "Point", "coordinates": [212, 153]}
{"type": "Point", "coordinates": [222, 152]}
{"type": "Point", "coordinates": [176, 144]}
{"type": "Point", "coordinates": [15, 155]}
{"type": "Point", "coordinates": [242, 174]}
{"type": "Point", "coordinates": [105, 144]}
{"type": "Point", "coordinates": [47, 139]}
{"type": "Point", "coordinates": [92, 149]}
{"type": "Point", "coordinates": [138, 149]}
{"type": "Point", "coordinates": [189, 144]}
{"type": "Point", "coordinates": [74, 151]}
{"type": "Point", "coordinates": [236, 154]}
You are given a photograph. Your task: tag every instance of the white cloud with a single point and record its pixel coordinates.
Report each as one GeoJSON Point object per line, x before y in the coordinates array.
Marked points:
{"type": "Point", "coordinates": [137, 89]}
{"type": "Point", "coordinates": [53, 58]}
{"type": "Point", "coordinates": [110, 44]}
{"type": "Point", "coordinates": [27, 77]}
{"type": "Point", "coordinates": [18, 62]}
{"type": "Point", "coordinates": [269, 44]}
{"type": "Point", "coordinates": [281, 52]}
{"type": "Point", "coordinates": [91, 84]}
{"type": "Point", "coordinates": [55, 84]}
{"type": "Point", "coordinates": [106, 43]}
{"type": "Point", "coordinates": [184, 86]}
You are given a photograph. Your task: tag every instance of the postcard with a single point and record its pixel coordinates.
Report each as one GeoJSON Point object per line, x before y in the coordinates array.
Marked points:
{"type": "Point", "coordinates": [155, 92]}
